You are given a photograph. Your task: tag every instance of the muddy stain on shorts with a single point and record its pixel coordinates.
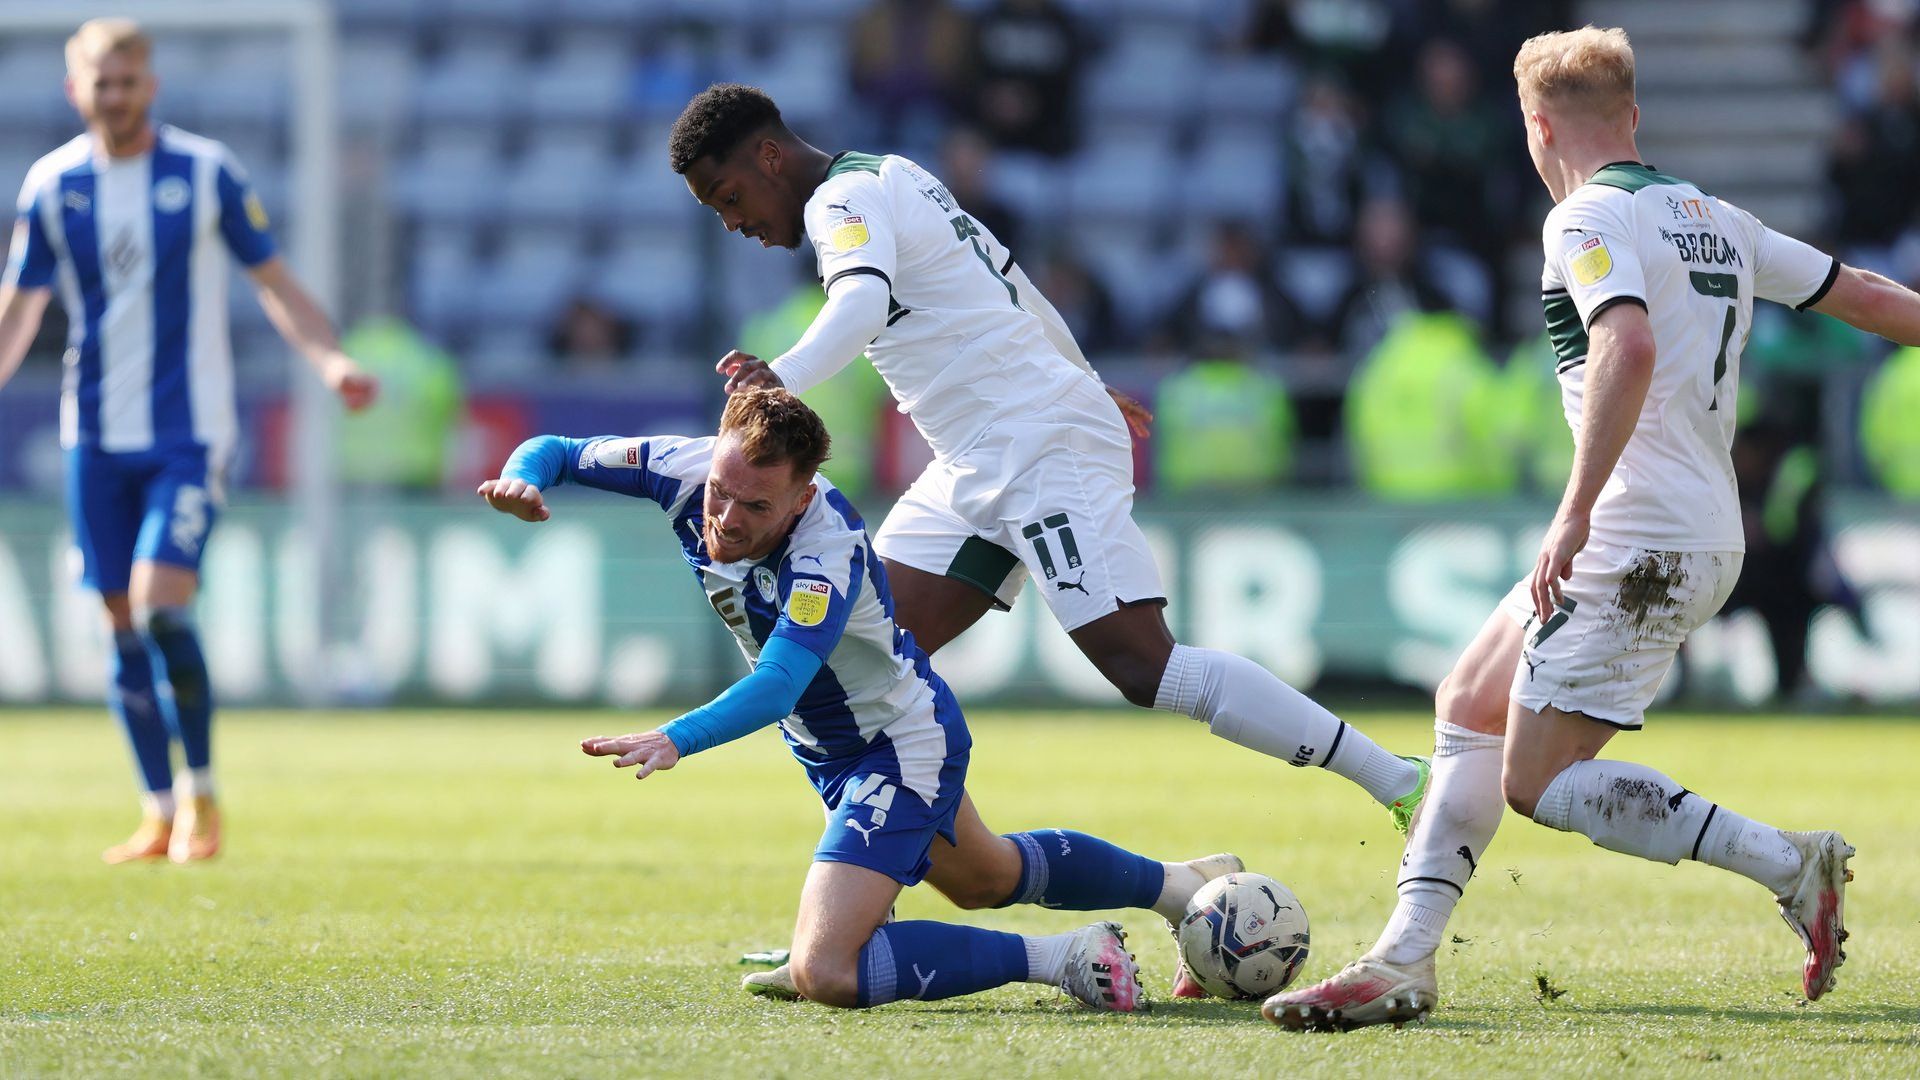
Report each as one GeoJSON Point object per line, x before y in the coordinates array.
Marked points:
{"type": "Point", "coordinates": [1650, 595]}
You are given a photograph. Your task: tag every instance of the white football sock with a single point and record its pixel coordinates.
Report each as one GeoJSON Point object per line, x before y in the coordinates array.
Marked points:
{"type": "Point", "coordinates": [195, 782]}
{"type": "Point", "coordinates": [1047, 957]}
{"type": "Point", "coordinates": [1748, 848]}
{"type": "Point", "coordinates": [1178, 887]}
{"type": "Point", "coordinates": [158, 804]}
{"type": "Point", "coordinates": [1245, 704]}
{"type": "Point", "coordinates": [1456, 822]}
{"type": "Point", "coordinates": [1630, 808]}
{"type": "Point", "coordinates": [1414, 929]}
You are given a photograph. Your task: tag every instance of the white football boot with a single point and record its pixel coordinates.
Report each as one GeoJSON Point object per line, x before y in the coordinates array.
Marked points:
{"type": "Point", "coordinates": [1366, 992]}
{"type": "Point", "coordinates": [776, 984]}
{"type": "Point", "coordinates": [1208, 867]}
{"type": "Point", "coordinates": [1815, 905]}
{"type": "Point", "coordinates": [1101, 973]}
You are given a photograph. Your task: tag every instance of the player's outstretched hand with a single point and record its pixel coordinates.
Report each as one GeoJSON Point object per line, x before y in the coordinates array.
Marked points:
{"type": "Point", "coordinates": [1564, 540]}
{"type": "Point", "coordinates": [347, 380]}
{"type": "Point", "coordinates": [743, 370]}
{"type": "Point", "coordinates": [516, 497]}
{"type": "Point", "coordinates": [1139, 417]}
{"type": "Point", "coordinates": [650, 750]}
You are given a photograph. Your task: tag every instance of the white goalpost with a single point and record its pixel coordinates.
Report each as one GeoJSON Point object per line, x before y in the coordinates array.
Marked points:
{"type": "Point", "coordinates": [312, 241]}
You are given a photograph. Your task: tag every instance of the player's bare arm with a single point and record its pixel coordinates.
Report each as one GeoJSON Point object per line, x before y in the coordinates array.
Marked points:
{"type": "Point", "coordinates": [20, 314]}
{"type": "Point", "coordinates": [516, 497]}
{"type": "Point", "coordinates": [651, 750]}
{"type": "Point", "coordinates": [300, 321]}
{"type": "Point", "coordinates": [1867, 301]}
{"type": "Point", "coordinates": [1619, 370]}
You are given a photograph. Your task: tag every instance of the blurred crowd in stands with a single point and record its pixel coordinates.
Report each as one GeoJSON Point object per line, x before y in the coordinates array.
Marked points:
{"type": "Point", "coordinates": [1304, 231]}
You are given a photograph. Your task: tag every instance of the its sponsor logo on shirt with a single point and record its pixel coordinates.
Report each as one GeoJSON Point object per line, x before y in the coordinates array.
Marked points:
{"type": "Point", "coordinates": [256, 214]}
{"type": "Point", "coordinates": [850, 233]}
{"type": "Point", "coordinates": [1591, 261]}
{"type": "Point", "coordinates": [171, 195]}
{"type": "Point", "coordinates": [633, 455]}
{"type": "Point", "coordinates": [807, 603]}
{"type": "Point", "coordinates": [1689, 209]}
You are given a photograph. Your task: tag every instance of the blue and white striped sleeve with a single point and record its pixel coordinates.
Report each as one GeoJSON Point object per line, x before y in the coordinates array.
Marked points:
{"type": "Point", "coordinates": [820, 584]}
{"type": "Point", "coordinates": [30, 265]}
{"type": "Point", "coordinates": [607, 462]}
{"type": "Point", "coordinates": [243, 221]}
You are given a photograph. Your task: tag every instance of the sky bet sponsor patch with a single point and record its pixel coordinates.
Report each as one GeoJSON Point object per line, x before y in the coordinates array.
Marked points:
{"type": "Point", "coordinates": [1591, 261]}
{"type": "Point", "coordinates": [850, 233]}
{"type": "Point", "coordinates": [807, 603]}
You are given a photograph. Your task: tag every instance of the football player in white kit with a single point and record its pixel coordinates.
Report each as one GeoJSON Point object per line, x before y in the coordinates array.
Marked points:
{"type": "Point", "coordinates": [1648, 288]}
{"type": "Point", "coordinates": [1033, 468]}
{"type": "Point", "coordinates": [135, 226]}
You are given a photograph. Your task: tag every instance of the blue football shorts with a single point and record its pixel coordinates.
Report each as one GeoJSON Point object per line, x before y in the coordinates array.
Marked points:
{"type": "Point", "coordinates": [886, 804]}
{"type": "Point", "coordinates": [151, 505]}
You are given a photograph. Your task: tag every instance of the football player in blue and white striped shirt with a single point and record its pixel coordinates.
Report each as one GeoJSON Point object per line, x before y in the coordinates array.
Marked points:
{"type": "Point", "coordinates": [135, 225]}
{"type": "Point", "coordinates": [787, 564]}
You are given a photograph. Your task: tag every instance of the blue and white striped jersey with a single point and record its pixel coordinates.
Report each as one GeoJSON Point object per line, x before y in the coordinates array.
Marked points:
{"type": "Point", "coordinates": [138, 250]}
{"type": "Point", "coordinates": [823, 588]}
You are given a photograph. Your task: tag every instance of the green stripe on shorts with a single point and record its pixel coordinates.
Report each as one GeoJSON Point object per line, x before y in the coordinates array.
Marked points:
{"type": "Point", "coordinates": [983, 565]}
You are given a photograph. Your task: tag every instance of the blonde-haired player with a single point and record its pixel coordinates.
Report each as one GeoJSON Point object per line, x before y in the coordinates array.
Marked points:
{"type": "Point", "coordinates": [1648, 288]}
{"type": "Point", "coordinates": [135, 225]}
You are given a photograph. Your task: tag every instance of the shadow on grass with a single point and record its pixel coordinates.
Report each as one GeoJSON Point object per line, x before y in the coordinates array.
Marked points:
{"type": "Point", "coordinates": [1184, 1013]}
{"type": "Point", "coordinates": [1812, 1017]}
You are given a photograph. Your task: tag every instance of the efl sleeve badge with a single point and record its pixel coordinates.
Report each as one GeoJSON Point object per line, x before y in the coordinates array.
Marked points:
{"type": "Point", "coordinates": [807, 603]}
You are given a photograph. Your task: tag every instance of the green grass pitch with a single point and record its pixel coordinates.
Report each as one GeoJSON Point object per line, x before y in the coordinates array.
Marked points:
{"type": "Point", "coordinates": [465, 894]}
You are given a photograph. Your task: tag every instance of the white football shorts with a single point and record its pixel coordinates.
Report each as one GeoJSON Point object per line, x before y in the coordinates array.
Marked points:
{"type": "Point", "coordinates": [1622, 618]}
{"type": "Point", "coordinates": [1047, 495]}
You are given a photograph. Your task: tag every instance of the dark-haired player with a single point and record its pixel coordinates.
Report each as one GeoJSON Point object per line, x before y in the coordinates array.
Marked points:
{"type": "Point", "coordinates": [1033, 469]}
{"type": "Point", "coordinates": [787, 565]}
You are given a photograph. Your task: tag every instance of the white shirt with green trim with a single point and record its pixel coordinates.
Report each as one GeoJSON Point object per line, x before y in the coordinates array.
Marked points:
{"type": "Point", "coordinates": [1695, 263]}
{"type": "Point", "coordinates": [964, 344]}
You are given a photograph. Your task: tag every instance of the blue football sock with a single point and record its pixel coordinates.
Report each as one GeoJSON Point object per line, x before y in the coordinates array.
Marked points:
{"type": "Point", "coordinates": [927, 961]}
{"type": "Point", "coordinates": [130, 698]}
{"type": "Point", "coordinates": [1060, 868]}
{"type": "Point", "coordinates": [180, 672]}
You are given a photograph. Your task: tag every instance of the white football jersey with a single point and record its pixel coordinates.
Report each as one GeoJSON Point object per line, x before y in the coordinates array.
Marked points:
{"type": "Point", "coordinates": [962, 346]}
{"type": "Point", "coordinates": [1695, 263]}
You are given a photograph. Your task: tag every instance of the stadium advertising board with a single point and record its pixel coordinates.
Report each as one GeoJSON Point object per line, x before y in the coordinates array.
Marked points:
{"type": "Point", "coordinates": [449, 604]}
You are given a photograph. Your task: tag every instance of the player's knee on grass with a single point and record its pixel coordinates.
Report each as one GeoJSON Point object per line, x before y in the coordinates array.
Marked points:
{"type": "Point", "coordinates": [827, 979]}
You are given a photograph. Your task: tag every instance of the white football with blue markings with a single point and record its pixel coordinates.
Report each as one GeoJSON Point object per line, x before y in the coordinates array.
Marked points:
{"type": "Point", "coordinates": [1244, 936]}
